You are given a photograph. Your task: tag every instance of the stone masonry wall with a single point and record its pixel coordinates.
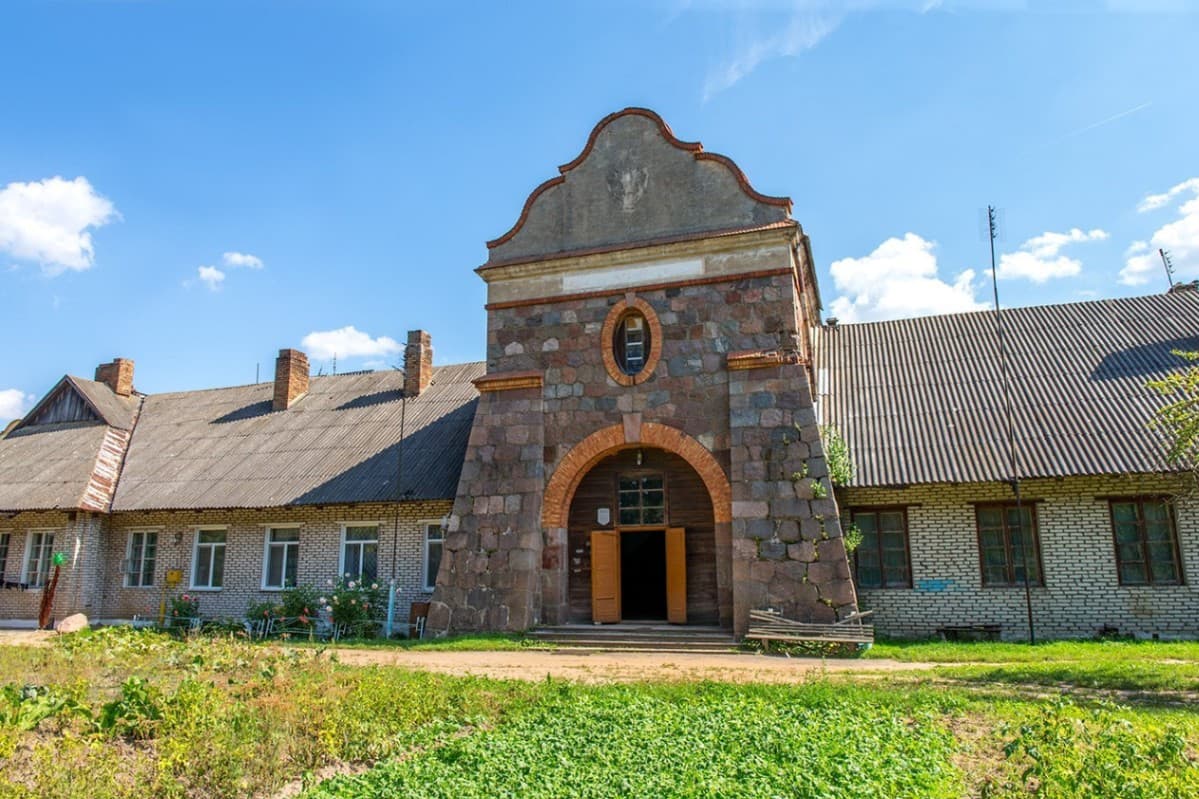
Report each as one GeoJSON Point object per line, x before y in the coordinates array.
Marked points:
{"type": "Point", "coordinates": [319, 553]}
{"type": "Point", "coordinates": [491, 572]}
{"type": "Point", "coordinates": [788, 552]}
{"type": "Point", "coordinates": [1081, 592]}
{"type": "Point", "coordinates": [562, 340]}
{"type": "Point", "coordinates": [77, 536]}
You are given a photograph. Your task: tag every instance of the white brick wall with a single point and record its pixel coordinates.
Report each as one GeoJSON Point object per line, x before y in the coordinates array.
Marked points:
{"type": "Point", "coordinates": [76, 535]}
{"type": "Point", "coordinates": [1081, 592]}
{"type": "Point", "coordinates": [319, 553]}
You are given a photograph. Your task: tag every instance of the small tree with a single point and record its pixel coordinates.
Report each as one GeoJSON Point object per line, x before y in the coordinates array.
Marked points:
{"type": "Point", "coordinates": [1179, 419]}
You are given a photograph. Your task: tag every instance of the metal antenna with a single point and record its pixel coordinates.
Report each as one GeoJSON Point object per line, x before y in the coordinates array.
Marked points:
{"type": "Point", "coordinates": [1166, 262]}
{"type": "Point", "coordinates": [1005, 370]}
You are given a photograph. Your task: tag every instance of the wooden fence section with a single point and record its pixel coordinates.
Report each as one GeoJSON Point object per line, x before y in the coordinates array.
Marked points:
{"type": "Point", "coordinates": [767, 625]}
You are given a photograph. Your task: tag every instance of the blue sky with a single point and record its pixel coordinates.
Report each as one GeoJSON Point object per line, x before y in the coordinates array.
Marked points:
{"type": "Point", "coordinates": [196, 185]}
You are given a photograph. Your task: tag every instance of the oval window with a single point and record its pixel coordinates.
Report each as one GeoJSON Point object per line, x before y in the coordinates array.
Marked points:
{"type": "Point", "coordinates": [631, 343]}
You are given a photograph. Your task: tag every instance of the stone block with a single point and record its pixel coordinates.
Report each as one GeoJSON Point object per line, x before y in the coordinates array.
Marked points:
{"type": "Point", "coordinates": [72, 624]}
{"type": "Point", "coordinates": [744, 549]}
{"type": "Point", "coordinates": [838, 592]}
{"type": "Point", "coordinates": [831, 550]}
{"type": "Point", "coordinates": [788, 530]}
{"type": "Point", "coordinates": [523, 559]}
{"type": "Point", "coordinates": [749, 509]}
{"type": "Point", "coordinates": [804, 551]}
{"type": "Point", "coordinates": [761, 571]}
{"type": "Point", "coordinates": [772, 550]}
{"type": "Point", "coordinates": [820, 572]}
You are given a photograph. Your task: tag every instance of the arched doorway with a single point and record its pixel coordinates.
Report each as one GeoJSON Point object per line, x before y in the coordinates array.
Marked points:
{"type": "Point", "coordinates": [641, 538]}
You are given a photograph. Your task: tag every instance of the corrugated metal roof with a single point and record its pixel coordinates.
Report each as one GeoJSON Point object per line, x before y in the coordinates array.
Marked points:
{"type": "Point", "coordinates": [340, 443]}
{"type": "Point", "coordinates": [921, 401]}
{"type": "Point", "coordinates": [51, 466]}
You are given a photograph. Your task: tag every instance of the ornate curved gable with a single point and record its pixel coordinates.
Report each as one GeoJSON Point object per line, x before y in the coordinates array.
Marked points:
{"type": "Point", "coordinates": [633, 183]}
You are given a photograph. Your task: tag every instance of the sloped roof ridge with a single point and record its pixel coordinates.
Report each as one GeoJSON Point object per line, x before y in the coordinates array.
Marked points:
{"type": "Point", "coordinates": [1039, 307]}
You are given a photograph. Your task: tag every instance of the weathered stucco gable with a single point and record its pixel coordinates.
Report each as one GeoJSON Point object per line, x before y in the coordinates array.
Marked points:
{"type": "Point", "coordinates": [634, 182]}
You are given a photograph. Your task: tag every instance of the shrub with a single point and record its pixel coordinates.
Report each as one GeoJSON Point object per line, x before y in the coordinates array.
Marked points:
{"type": "Point", "coordinates": [301, 605]}
{"type": "Point", "coordinates": [184, 607]}
{"type": "Point", "coordinates": [353, 605]}
{"type": "Point", "coordinates": [836, 453]}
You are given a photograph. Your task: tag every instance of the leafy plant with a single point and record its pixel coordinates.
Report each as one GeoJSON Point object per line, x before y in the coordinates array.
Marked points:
{"type": "Point", "coordinates": [184, 607]}
{"type": "Point", "coordinates": [836, 453]}
{"type": "Point", "coordinates": [263, 612]}
{"type": "Point", "coordinates": [353, 605]}
{"type": "Point", "coordinates": [818, 490]}
{"type": "Point", "coordinates": [135, 713]}
{"type": "Point", "coordinates": [853, 538]}
{"type": "Point", "coordinates": [300, 605]}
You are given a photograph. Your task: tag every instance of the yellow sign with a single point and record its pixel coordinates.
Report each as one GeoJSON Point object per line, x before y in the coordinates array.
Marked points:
{"type": "Point", "coordinates": [174, 577]}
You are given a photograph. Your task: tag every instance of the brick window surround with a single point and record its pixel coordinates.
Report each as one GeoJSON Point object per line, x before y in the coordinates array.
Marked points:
{"type": "Point", "coordinates": [608, 340]}
{"type": "Point", "coordinates": [1146, 541]}
{"type": "Point", "coordinates": [1001, 561]}
{"type": "Point", "coordinates": [883, 559]}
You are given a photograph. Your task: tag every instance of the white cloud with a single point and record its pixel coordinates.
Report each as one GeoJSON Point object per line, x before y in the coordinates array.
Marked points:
{"type": "Point", "coordinates": [1154, 201]}
{"type": "Point", "coordinates": [211, 276]}
{"type": "Point", "coordinates": [47, 221]}
{"type": "Point", "coordinates": [899, 279]}
{"type": "Point", "coordinates": [1180, 238]}
{"type": "Point", "coordinates": [14, 404]}
{"type": "Point", "coordinates": [348, 342]}
{"type": "Point", "coordinates": [236, 259]}
{"type": "Point", "coordinates": [1039, 259]}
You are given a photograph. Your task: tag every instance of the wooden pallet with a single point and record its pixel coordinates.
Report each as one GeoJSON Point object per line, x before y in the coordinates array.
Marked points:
{"type": "Point", "coordinates": [767, 625]}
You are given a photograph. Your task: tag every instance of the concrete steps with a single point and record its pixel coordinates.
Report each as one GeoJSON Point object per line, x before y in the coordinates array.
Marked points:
{"type": "Point", "coordinates": [639, 637]}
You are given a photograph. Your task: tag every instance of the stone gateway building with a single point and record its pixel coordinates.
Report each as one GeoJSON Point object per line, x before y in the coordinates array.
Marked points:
{"type": "Point", "coordinates": [643, 443]}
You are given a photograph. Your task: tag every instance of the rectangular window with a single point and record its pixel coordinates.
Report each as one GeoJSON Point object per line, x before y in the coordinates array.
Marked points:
{"type": "Point", "coordinates": [434, 541]}
{"type": "Point", "coordinates": [360, 552]}
{"type": "Point", "coordinates": [37, 559]}
{"type": "Point", "coordinates": [634, 343]}
{"type": "Point", "coordinates": [1146, 542]}
{"type": "Point", "coordinates": [4, 540]}
{"type": "Point", "coordinates": [882, 560]}
{"type": "Point", "coordinates": [1006, 541]}
{"type": "Point", "coordinates": [641, 499]}
{"type": "Point", "coordinates": [139, 559]}
{"type": "Point", "coordinates": [281, 560]}
{"type": "Point", "coordinates": [208, 570]}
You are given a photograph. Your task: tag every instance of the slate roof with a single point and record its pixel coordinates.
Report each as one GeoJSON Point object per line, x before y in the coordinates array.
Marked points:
{"type": "Point", "coordinates": [226, 448]}
{"type": "Point", "coordinates": [48, 467]}
{"type": "Point", "coordinates": [920, 400]}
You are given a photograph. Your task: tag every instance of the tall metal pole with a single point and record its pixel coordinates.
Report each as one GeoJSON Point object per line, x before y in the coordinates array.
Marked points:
{"type": "Point", "coordinates": [1011, 426]}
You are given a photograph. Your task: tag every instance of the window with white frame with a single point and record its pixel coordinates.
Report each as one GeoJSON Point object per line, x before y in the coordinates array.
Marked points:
{"type": "Point", "coordinates": [434, 541]}
{"type": "Point", "coordinates": [280, 562]}
{"type": "Point", "coordinates": [360, 552]}
{"type": "Point", "coordinates": [140, 556]}
{"type": "Point", "coordinates": [4, 541]}
{"type": "Point", "coordinates": [38, 555]}
{"type": "Point", "coordinates": [208, 560]}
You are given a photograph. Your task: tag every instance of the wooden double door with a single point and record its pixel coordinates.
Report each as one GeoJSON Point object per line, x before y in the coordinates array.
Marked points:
{"type": "Point", "coordinates": [639, 574]}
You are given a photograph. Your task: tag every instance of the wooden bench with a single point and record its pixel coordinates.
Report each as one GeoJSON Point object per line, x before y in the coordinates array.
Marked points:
{"type": "Point", "coordinates": [768, 625]}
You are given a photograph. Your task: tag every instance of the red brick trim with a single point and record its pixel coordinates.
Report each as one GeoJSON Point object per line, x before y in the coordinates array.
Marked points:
{"type": "Point", "coordinates": [695, 148]}
{"type": "Point", "coordinates": [560, 490]}
{"type": "Point", "coordinates": [636, 245]}
{"type": "Point", "coordinates": [590, 295]}
{"type": "Point", "coordinates": [509, 381]}
{"type": "Point", "coordinates": [757, 359]}
{"type": "Point", "coordinates": [655, 340]}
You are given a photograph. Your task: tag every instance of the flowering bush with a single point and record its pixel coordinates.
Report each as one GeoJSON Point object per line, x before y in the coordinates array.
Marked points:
{"type": "Point", "coordinates": [353, 604]}
{"type": "Point", "coordinates": [299, 605]}
{"type": "Point", "coordinates": [185, 607]}
{"type": "Point", "coordinates": [263, 611]}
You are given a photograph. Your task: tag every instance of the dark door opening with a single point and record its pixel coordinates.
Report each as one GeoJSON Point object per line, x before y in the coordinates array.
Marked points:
{"type": "Point", "coordinates": [643, 575]}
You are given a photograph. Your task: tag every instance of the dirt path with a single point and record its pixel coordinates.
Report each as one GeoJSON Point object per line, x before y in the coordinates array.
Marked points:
{"type": "Point", "coordinates": [537, 664]}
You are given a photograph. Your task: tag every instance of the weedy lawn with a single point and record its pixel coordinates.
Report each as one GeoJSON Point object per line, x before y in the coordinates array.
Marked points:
{"type": "Point", "coordinates": [122, 713]}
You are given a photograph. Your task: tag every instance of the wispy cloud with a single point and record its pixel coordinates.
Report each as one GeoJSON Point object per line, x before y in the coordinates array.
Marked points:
{"type": "Point", "coordinates": [1106, 121]}
{"type": "Point", "coordinates": [1154, 201]}
{"type": "Point", "coordinates": [899, 279]}
{"type": "Point", "coordinates": [786, 28]}
{"type": "Point", "coordinates": [1040, 258]}
{"type": "Point", "coordinates": [48, 222]}
{"type": "Point", "coordinates": [806, 28]}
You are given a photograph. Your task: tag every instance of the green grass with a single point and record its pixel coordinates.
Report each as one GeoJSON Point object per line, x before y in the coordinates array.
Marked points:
{"type": "Point", "coordinates": [122, 713]}
{"type": "Point", "coordinates": [475, 642]}
{"type": "Point", "coordinates": [1008, 652]}
{"type": "Point", "coordinates": [699, 740]}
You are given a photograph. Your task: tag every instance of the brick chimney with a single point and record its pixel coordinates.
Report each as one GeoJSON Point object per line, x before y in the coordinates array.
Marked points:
{"type": "Point", "coordinates": [418, 362]}
{"type": "Point", "coordinates": [291, 378]}
{"type": "Point", "coordinates": [117, 375]}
